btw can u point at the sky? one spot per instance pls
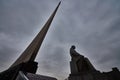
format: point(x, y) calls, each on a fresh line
point(93, 26)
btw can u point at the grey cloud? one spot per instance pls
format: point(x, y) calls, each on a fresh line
point(92, 25)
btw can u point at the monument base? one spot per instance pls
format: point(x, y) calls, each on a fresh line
point(84, 76)
point(96, 75)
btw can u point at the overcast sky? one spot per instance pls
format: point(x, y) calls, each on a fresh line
point(92, 25)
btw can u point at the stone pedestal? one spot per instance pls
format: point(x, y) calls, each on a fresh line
point(84, 76)
point(81, 77)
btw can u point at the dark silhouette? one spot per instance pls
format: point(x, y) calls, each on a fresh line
point(82, 69)
point(26, 64)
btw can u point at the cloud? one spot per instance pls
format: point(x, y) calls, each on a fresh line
point(92, 25)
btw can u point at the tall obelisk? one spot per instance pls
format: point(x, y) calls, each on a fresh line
point(31, 51)
point(25, 63)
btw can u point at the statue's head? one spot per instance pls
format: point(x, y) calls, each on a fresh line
point(73, 47)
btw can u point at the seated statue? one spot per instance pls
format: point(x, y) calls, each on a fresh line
point(79, 62)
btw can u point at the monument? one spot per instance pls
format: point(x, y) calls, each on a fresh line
point(24, 68)
point(82, 69)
